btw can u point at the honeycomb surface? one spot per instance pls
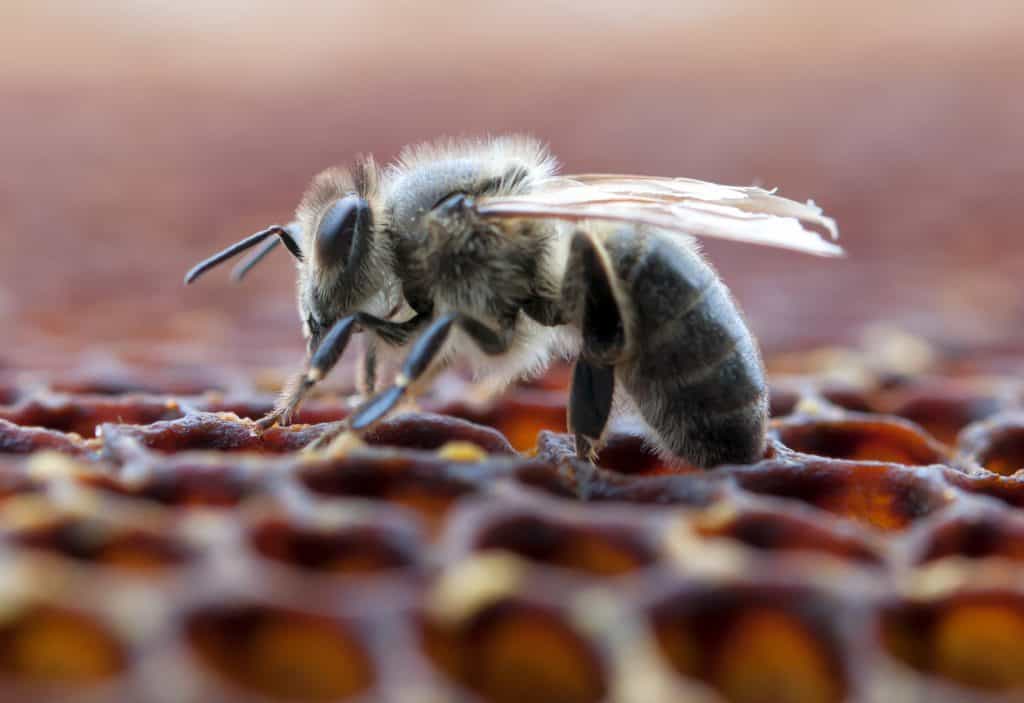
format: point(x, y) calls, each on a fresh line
point(154, 547)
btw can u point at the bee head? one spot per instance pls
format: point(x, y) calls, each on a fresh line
point(345, 267)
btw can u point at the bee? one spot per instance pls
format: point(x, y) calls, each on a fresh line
point(478, 250)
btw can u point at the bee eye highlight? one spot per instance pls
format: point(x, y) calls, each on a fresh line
point(338, 228)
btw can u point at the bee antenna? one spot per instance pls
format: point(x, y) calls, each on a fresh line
point(239, 272)
point(286, 235)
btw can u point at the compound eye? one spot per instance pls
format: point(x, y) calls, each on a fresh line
point(338, 228)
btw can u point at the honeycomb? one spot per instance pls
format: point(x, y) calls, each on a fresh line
point(156, 548)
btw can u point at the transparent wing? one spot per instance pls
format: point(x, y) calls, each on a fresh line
point(681, 205)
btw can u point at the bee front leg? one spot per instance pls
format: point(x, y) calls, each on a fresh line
point(590, 295)
point(320, 364)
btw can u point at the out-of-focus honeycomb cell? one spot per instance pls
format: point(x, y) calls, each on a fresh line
point(281, 654)
point(48, 645)
point(346, 550)
point(512, 652)
point(597, 550)
point(972, 639)
point(754, 647)
point(181, 485)
point(92, 540)
point(418, 483)
point(976, 537)
point(775, 531)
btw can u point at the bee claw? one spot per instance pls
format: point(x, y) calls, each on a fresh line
point(276, 417)
point(333, 435)
point(587, 449)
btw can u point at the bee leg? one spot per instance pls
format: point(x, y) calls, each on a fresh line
point(323, 360)
point(239, 271)
point(368, 368)
point(423, 353)
point(394, 333)
point(590, 404)
point(590, 295)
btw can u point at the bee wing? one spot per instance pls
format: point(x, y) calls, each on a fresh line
point(681, 205)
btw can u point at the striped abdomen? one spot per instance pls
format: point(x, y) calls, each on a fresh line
point(693, 369)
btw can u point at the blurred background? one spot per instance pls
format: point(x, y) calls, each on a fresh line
point(138, 137)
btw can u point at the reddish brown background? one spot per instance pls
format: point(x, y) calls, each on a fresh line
point(138, 137)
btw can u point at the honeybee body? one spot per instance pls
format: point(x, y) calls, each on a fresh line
point(476, 250)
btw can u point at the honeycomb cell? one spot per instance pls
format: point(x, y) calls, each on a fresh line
point(945, 410)
point(91, 540)
point(420, 484)
point(430, 432)
point(207, 431)
point(280, 653)
point(182, 485)
point(520, 418)
point(596, 550)
point(754, 646)
point(777, 532)
point(347, 550)
point(511, 652)
point(886, 497)
point(861, 438)
point(976, 537)
point(54, 646)
point(973, 639)
point(1009, 489)
point(997, 445)
point(15, 439)
point(84, 414)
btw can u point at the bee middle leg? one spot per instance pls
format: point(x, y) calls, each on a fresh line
point(589, 293)
point(422, 355)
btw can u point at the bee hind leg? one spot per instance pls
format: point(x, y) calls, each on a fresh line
point(590, 404)
point(590, 295)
